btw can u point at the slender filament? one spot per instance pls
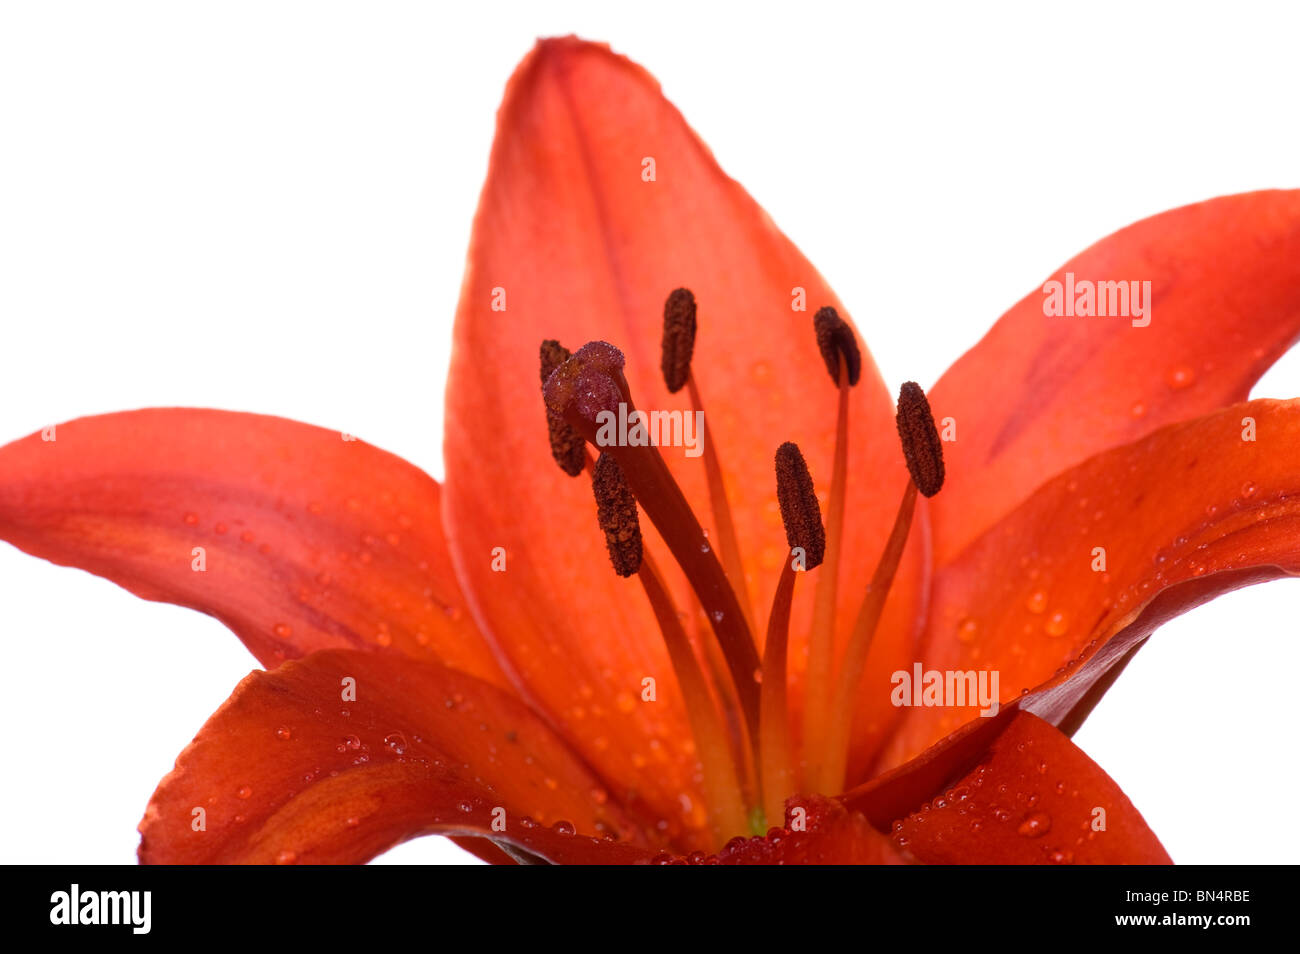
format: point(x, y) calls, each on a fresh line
point(834, 761)
point(727, 815)
point(821, 644)
point(774, 730)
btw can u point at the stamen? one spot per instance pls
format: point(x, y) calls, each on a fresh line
point(616, 513)
point(592, 382)
point(835, 341)
point(678, 339)
point(924, 455)
point(800, 512)
point(567, 446)
point(727, 815)
point(803, 531)
point(922, 448)
point(680, 325)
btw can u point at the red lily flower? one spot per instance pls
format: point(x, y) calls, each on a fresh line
point(461, 660)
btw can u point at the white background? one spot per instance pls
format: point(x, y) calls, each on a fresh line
point(265, 207)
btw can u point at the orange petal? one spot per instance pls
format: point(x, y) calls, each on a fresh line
point(571, 242)
point(1039, 394)
point(287, 770)
point(819, 831)
point(294, 537)
point(1178, 517)
point(1035, 798)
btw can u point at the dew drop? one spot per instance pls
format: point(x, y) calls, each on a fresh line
point(718, 616)
point(243, 792)
point(1248, 490)
point(1180, 377)
point(282, 630)
point(1057, 624)
point(191, 518)
point(563, 828)
point(1037, 602)
point(1138, 410)
point(283, 733)
point(1035, 825)
point(396, 742)
point(967, 630)
point(466, 807)
point(286, 857)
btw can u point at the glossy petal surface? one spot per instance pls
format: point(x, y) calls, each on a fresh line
point(1040, 394)
point(289, 771)
point(1035, 799)
point(293, 537)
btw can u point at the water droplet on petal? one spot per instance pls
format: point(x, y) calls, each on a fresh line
point(286, 857)
point(563, 828)
point(1057, 624)
point(283, 733)
point(1248, 490)
point(1035, 825)
point(967, 630)
point(1180, 377)
point(1037, 602)
point(243, 792)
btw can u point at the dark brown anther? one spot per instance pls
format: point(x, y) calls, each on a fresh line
point(922, 448)
point(800, 512)
point(679, 338)
point(616, 512)
point(835, 340)
point(566, 443)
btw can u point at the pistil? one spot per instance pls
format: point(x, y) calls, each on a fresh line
point(592, 383)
